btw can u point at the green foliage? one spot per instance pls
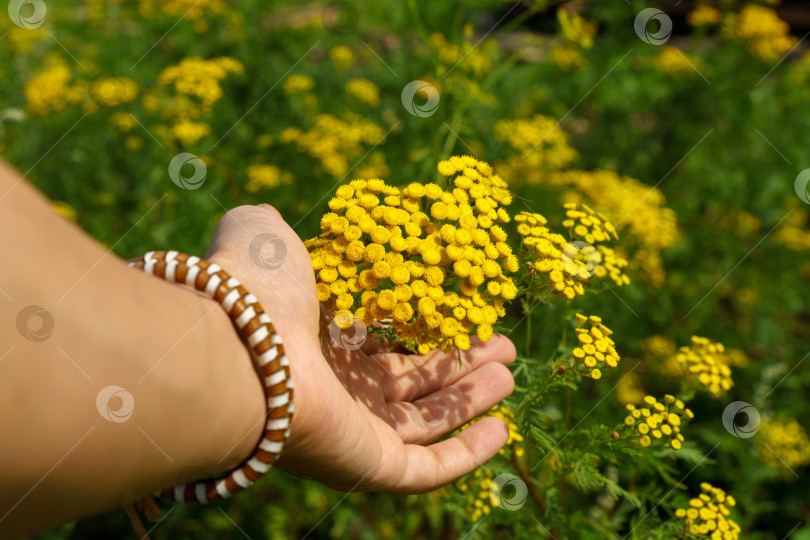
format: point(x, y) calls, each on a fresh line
point(723, 141)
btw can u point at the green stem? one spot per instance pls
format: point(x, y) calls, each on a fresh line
point(417, 20)
point(525, 475)
point(528, 330)
point(455, 123)
point(564, 484)
point(498, 73)
point(567, 408)
point(458, 20)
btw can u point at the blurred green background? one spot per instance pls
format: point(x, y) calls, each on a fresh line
point(690, 140)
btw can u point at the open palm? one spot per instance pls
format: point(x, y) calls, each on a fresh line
point(363, 415)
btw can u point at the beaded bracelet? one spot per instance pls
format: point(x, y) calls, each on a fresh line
point(257, 332)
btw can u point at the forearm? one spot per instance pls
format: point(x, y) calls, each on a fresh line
point(197, 401)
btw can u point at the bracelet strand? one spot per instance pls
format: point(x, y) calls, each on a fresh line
point(266, 349)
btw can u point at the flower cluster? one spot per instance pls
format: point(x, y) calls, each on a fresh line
point(765, 35)
point(364, 91)
point(195, 85)
point(567, 57)
point(114, 91)
point(544, 152)
point(703, 16)
point(575, 33)
point(649, 224)
point(22, 40)
point(542, 145)
point(125, 122)
point(479, 493)
point(783, 443)
point(656, 420)
point(565, 264)
point(505, 414)
point(549, 248)
point(611, 265)
point(200, 78)
point(333, 141)
point(676, 62)
point(586, 225)
point(342, 57)
point(430, 262)
point(707, 361)
point(300, 88)
point(470, 57)
point(52, 90)
point(297, 84)
point(794, 231)
point(262, 176)
point(596, 351)
point(737, 358)
point(707, 515)
point(188, 132)
point(576, 29)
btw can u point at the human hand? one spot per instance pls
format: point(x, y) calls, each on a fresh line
point(363, 418)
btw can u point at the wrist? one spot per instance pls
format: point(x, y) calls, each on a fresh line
point(237, 405)
point(192, 359)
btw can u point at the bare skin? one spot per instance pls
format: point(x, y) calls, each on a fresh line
point(364, 419)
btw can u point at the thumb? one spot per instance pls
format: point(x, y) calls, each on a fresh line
point(256, 246)
point(243, 223)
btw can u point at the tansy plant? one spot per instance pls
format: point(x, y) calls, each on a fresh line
point(433, 265)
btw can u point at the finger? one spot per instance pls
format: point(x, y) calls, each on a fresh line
point(430, 467)
point(427, 419)
point(408, 377)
